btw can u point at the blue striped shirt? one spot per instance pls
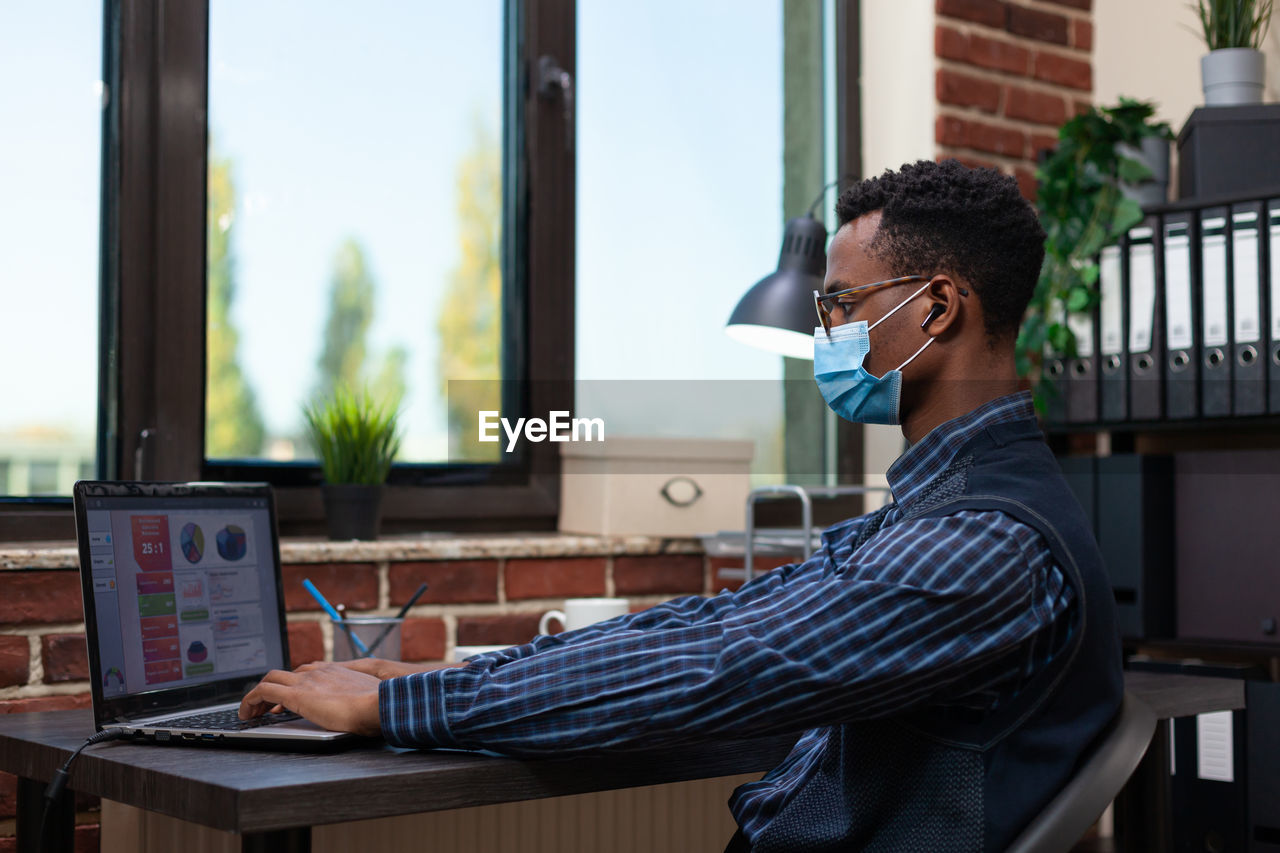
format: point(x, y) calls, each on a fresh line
point(953, 610)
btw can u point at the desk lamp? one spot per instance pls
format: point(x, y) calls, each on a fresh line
point(776, 314)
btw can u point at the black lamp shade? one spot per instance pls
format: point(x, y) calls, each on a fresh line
point(777, 312)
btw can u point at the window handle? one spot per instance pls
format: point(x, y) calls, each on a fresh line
point(552, 81)
point(142, 454)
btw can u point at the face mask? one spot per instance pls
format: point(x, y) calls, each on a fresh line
point(850, 391)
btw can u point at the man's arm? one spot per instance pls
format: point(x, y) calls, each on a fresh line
point(692, 610)
point(926, 603)
point(686, 611)
point(333, 699)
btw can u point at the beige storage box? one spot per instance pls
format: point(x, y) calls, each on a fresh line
point(654, 486)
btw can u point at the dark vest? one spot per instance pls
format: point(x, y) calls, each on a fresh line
point(946, 779)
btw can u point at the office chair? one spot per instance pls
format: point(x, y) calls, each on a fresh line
point(1086, 795)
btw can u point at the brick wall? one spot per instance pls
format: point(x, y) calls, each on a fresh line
point(1009, 73)
point(44, 663)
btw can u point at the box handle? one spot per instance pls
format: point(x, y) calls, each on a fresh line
point(680, 491)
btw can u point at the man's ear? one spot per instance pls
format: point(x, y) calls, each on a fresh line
point(945, 297)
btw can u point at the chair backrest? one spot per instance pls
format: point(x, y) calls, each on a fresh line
point(1086, 795)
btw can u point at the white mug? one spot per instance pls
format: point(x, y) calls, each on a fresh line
point(581, 612)
point(461, 653)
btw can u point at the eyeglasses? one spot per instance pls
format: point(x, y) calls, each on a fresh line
point(824, 304)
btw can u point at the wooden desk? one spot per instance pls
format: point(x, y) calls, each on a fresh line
point(272, 798)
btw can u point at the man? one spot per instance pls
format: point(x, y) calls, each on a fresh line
point(948, 658)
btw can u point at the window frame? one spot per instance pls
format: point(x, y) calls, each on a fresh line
point(537, 308)
point(152, 272)
point(153, 287)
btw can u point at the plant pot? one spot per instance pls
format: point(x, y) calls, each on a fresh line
point(1232, 76)
point(1154, 154)
point(352, 511)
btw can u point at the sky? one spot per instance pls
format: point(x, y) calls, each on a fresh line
point(50, 97)
point(347, 120)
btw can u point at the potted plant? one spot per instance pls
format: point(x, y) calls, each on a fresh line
point(356, 440)
point(1233, 71)
point(1082, 208)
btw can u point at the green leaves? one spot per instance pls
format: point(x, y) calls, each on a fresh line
point(355, 438)
point(1078, 299)
point(1082, 210)
point(1234, 23)
point(1128, 213)
point(1061, 340)
point(1132, 171)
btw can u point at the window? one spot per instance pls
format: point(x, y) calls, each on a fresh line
point(49, 168)
point(292, 209)
point(355, 213)
point(236, 142)
point(663, 261)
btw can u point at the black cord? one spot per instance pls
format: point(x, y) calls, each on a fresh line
point(822, 193)
point(58, 783)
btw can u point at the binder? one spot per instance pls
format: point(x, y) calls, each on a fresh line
point(1248, 373)
point(1055, 369)
point(1182, 360)
point(1055, 372)
point(1112, 308)
point(1082, 369)
point(1135, 513)
point(1215, 314)
point(1273, 306)
point(1146, 332)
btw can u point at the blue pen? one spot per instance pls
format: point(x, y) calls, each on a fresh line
point(336, 616)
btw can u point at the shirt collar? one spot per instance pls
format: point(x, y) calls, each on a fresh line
point(925, 459)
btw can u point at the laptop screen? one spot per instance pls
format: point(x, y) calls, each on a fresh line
point(185, 587)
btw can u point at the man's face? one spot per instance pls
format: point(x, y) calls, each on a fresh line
point(849, 264)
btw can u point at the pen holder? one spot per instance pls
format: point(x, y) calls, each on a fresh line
point(380, 635)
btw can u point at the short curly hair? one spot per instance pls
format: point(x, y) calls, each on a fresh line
point(947, 218)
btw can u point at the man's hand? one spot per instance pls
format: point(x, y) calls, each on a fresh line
point(382, 669)
point(330, 695)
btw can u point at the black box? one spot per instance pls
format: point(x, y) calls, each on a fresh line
point(1263, 704)
point(1229, 150)
point(1134, 506)
point(1227, 537)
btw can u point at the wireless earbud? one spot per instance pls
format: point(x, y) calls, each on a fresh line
point(934, 313)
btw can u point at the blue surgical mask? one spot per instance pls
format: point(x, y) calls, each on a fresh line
point(850, 391)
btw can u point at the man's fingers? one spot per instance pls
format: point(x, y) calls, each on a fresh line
point(369, 666)
point(265, 695)
point(281, 676)
point(329, 695)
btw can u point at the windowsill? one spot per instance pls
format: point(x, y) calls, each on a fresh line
point(401, 548)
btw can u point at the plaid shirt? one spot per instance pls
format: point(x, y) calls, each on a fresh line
point(954, 610)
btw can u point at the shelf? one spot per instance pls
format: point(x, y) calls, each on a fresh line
point(1185, 648)
point(1234, 424)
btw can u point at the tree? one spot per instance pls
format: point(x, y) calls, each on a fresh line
point(233, 422)
point(469, 323)
point(389, 384)
point(345, 348)
point(350, 312)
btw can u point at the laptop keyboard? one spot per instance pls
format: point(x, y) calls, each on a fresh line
point(227, 721)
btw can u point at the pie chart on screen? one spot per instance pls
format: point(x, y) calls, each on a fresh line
point(191, 540)
point(231, 542)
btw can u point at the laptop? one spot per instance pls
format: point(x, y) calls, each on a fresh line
point(184, 611)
